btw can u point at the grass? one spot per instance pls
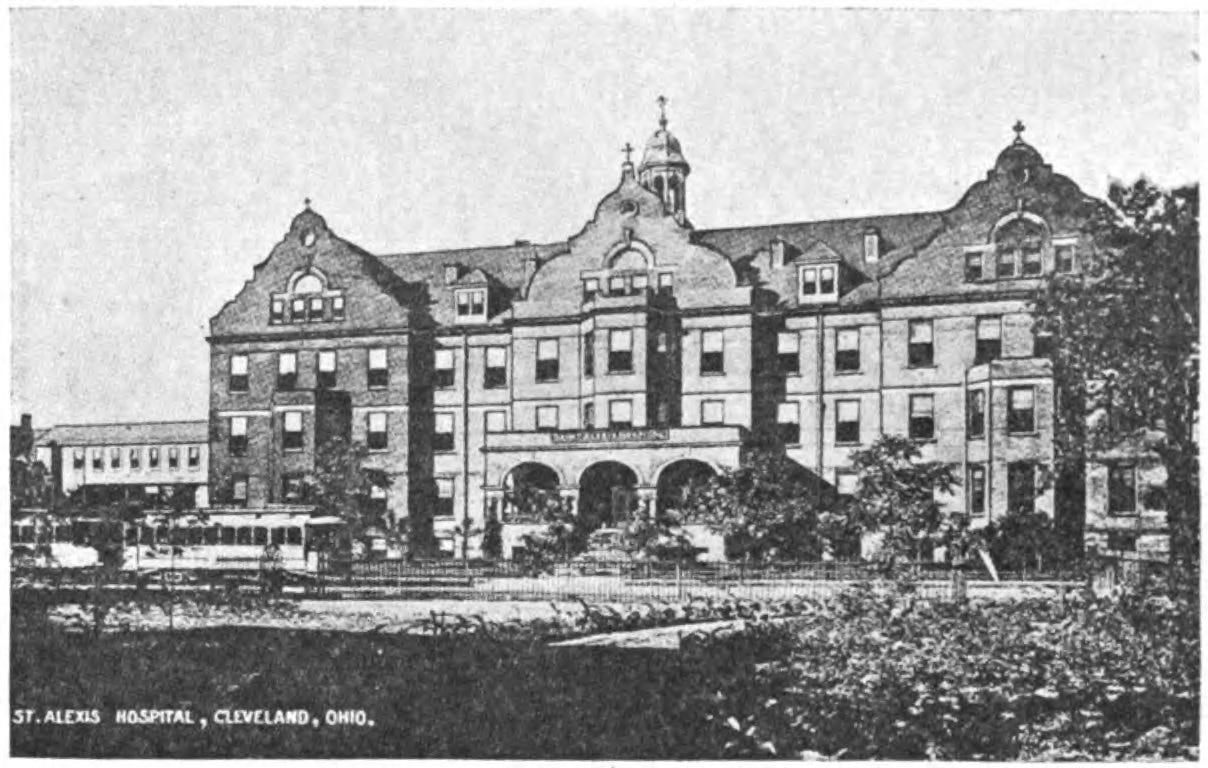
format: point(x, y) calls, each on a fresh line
point(456, 696)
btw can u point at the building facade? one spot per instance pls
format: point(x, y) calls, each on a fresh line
point(144, 461)
point(616, 366)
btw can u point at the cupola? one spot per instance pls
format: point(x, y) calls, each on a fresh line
point(664, 170)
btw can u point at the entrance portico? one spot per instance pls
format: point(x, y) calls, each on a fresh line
point(606, 475)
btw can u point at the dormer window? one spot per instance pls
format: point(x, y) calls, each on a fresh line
point(277, 311)
point(591, 287)
point(472, 305)
point(1018, 243)
point(819, 283)
point(616, 285)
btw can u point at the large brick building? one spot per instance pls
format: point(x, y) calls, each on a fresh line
point(641, 352)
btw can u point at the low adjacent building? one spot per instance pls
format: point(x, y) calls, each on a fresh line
point(145, 461)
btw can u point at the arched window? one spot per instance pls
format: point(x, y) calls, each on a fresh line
point(308, 283)
point(658, 186)
point(628, 259)
point(1019, 245)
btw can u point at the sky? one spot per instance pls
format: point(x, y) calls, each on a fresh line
point(159, 153)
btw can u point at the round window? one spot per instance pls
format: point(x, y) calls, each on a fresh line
point(308, 238)
point(629, 208)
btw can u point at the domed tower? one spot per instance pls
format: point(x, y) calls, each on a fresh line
point(664, 170)
point(1020, 162)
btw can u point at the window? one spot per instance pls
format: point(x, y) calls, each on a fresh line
point(471, 305)
point(291, 431)
point(547, 360)
point(325, 369)
point(809, 282)
point(337, 308)
point(77, 458)
point(173, 457)
point(314, 309)
point(788, 354)
point(297, 310)
point(846, 482)
point(243, 535)
point(826, 280)
point(973, 267)
point(817, 282)
point(237, 442)
point(495, 375)
point(442, 439)
point(1064, 256)
point(1121, 541)
point(1122, 489)
point(788, 423)
point(238, 497)
point(293, 487)
point(115, 458)
point(620, 351)
point(712, 352)
point(589, 354)
point(589, 416)
point(591, 287)
point(444, 497)
point(662, 342)
point(98, 460)
point(620, 414)
point(547, 418)
point(136, 458)
point(666, 282)
point(287, 370)
point(1021, 415)
point(1042, 344)
point(153, 458)
point(989, 340)
point(640, 282)
point(847, 350)
point(712, 412)
point(238, 379)
point(617, 286)
point(1006, 264)
point(1021, 486)
point(445, 375)
point(379, 368)
point(376, 437)
point(920, 351)
point(276, 312)
point(847, 422)
point(977, 490)
point(922, 417)
point(496, 421)
point(975, 411)
point(1032, 263)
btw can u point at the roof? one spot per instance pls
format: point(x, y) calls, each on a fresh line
point(128, 433)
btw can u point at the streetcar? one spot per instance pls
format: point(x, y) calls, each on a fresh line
point(204, 541)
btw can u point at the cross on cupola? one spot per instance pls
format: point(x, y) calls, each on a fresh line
point(1019, 128)
point(628, 150)
point(662, 102)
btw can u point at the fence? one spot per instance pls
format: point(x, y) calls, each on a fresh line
point(631, 580)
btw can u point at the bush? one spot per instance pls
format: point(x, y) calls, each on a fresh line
point(881, 675)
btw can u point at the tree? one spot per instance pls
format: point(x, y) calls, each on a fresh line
point(565, 535)
point(897, 497)
point(766, 508)
point(1126, 342)
point(660, 537)
point(340, 484)
point(1022, 541)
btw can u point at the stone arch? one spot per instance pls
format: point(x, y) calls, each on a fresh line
point(529, 488)
point(302, 281)
point(623, 256)
point(1018, 220)
point(675, 477)
point(607, 493)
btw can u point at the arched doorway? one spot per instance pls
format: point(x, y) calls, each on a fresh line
point(530, 493)
point(607, 495)
point(677, 480)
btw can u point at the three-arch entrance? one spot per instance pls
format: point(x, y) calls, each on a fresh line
point(677, 480)
point(530, 491)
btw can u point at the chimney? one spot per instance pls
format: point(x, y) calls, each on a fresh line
point(451, 274)
point(872, 245)
point(530, 268)
point(777, 253)
point(27, 421)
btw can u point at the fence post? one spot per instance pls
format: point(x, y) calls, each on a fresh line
point(679, 582)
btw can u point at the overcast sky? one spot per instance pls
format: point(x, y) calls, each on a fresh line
point(158, 154)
